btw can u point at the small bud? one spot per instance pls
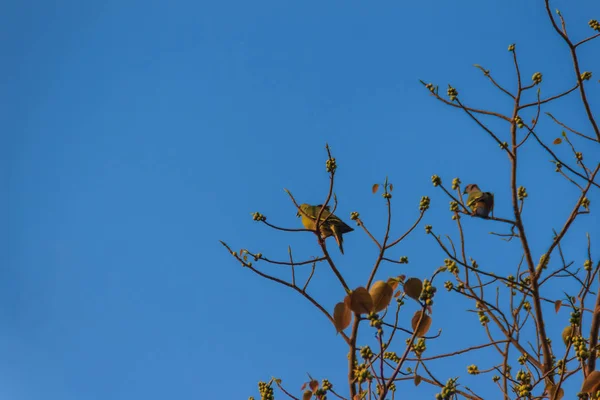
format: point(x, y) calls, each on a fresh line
point(455, 183)
point(521, 193)
point(519, 122)
point(452, 93)
point(436, 180)
point(258, 217)
point(503, 145)
point(354, 215)
point(579, 156)
point(453, 206)
point(587, 265)
point(585, 203)
point(544, 260)
point(586, 76)
point(404, 260)
point(424, 203)
point(537, 78)
point(451, 266)
point(558, 166)
point(511, 47)
point(430, 87)
point(428, 229)
point(331, 165)
point(473, 370)
point(594, 24)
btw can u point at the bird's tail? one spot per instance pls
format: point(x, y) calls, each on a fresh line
point(338, 237)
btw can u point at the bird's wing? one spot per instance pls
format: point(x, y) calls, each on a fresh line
point(474, 197)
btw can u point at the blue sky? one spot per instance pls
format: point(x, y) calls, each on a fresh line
point(137, 134)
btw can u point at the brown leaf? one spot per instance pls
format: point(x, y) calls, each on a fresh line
point(381, 294)
point(413, 288)
point(566, 335)
point(307, 395)
point(557, 305)
point(591, 383)
point(551, 389)
point(303, 386)
point(398, 293)
point(560, 395)
point(557, 141)
point(422, 327)
point(341, 316)
point(393, 282)
point(375, 188)
point(313, 385)
point(418, 380)
point(360, 301)
point(391, 187)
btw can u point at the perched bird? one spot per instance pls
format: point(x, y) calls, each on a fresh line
point(480, 203)
point(330, 224)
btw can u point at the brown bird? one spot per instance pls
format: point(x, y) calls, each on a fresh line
point(480, 203)
point(332, 226)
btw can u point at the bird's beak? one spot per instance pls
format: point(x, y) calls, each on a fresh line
point(298, 214)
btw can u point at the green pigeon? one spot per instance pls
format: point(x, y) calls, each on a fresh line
point(480, 203)
point(333, 226)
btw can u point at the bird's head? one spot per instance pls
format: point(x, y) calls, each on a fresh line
point(304, 208)
point(471, 187)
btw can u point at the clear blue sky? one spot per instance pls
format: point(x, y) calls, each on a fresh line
point(136, 134)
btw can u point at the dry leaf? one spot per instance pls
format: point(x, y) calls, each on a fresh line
point(418, 380)
point(360, 301)
point(551, 390)
point(557, 141)
point(566, 335)
point(313, 385)
point(381, 294)
point(307, 395)
point(423, 326)
point(591, 383)
point(393, 282)
point(341, 316)
point(375, 188)
point(413, 288)
point(557, 305)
